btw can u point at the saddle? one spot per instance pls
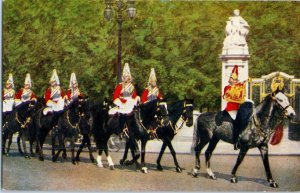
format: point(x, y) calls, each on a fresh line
point(223, 116)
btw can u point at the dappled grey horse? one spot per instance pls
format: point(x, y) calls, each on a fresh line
point(256, 125)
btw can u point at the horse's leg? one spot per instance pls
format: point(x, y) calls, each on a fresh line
point(77, 159)
point(53, 144)
point(24, 146)
point(143, 152)
point(73, 150)
point(122, 161)
point(61, 146)
point(90, 149)
point(31, 148)
point(162, 150)
point(135, 153)
point(265, 157)
point(240, 158)
point(4, 138)
point(9, 143)
point(208, 153)
point(19, 143)
point(110, 162)
point(169, 144)
point(99, 156)
point(198, 149)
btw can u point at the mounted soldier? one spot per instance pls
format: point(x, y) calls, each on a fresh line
point(234, 94)
point(25, 94)
point(73, 92)
point(124, 97)
point(54, 95)
point(8, 97)
point(152, 92)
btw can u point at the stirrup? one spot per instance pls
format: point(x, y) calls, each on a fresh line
point(236, 146)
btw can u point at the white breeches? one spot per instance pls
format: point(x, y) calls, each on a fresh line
point(124, 108)
point(57, 105)
point(8, 105)
point(233, 114)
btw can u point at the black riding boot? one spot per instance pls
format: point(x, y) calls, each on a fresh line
point(122, 121)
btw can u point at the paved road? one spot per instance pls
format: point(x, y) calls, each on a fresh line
point(21, 174)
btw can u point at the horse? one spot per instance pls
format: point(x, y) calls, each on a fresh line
point(183, 110)
point(85, 131)
point(75, 115)
point(43, 125)
point(30, 133)
point(255, 125)
point(104, 125)
point(19, 121)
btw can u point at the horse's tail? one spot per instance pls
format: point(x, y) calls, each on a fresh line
point(196, 137)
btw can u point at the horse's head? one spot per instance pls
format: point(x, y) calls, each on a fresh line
point(162, 112)
point(83, 106)
point(26, 108)
point(283, 104)
point(188, 109)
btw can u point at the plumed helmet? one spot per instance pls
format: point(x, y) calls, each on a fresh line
point(10, 80)
point(54, 77)
point(235, 73)
point(126, 71)
point(28, 80)
point(73, 80)
point(152, 76)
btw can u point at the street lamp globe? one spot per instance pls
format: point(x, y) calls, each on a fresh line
point(108, 13)
point(131, 12)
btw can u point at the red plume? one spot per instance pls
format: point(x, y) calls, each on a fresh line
point(276, 139)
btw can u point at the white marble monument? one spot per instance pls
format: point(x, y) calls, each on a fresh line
point(235, 50)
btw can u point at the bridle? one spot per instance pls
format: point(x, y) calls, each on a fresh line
point(182, 119)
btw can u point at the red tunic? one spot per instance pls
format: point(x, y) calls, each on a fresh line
point(69, 94)
point(48, 94)
point(145, 95)
point(231, 106)
point(119, 92)
point(20, 93)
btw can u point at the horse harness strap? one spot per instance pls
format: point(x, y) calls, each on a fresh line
point(69, 122)
point(26, 122)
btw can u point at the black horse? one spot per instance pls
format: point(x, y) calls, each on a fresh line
point(19, 121)
point(43, 125)
point(182, 110)
point(85, 130)
point(104, 125)
point(151, 115)
point(30, 131)
point(255, 125)
point(75, 115)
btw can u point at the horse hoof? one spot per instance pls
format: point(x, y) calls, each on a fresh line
point(159, 168)
point(54, 159)
point(144, 170)
point(92, 160)
point(128, 163)
point(77, 159)
point(234, 180)
point(64, 156)
point(32, 155)
point(121, 162)
point(73, 162)
point(213, 177)
point(274, 185)
point(41, 158)
point(195, 172)
point(100, 165)
point(178, 169)
point(27, 157)
point(111, 167)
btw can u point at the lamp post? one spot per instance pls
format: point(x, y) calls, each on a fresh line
point(121, 5)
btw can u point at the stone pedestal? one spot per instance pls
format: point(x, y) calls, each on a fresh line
point(230, 58)
point(235, 51)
